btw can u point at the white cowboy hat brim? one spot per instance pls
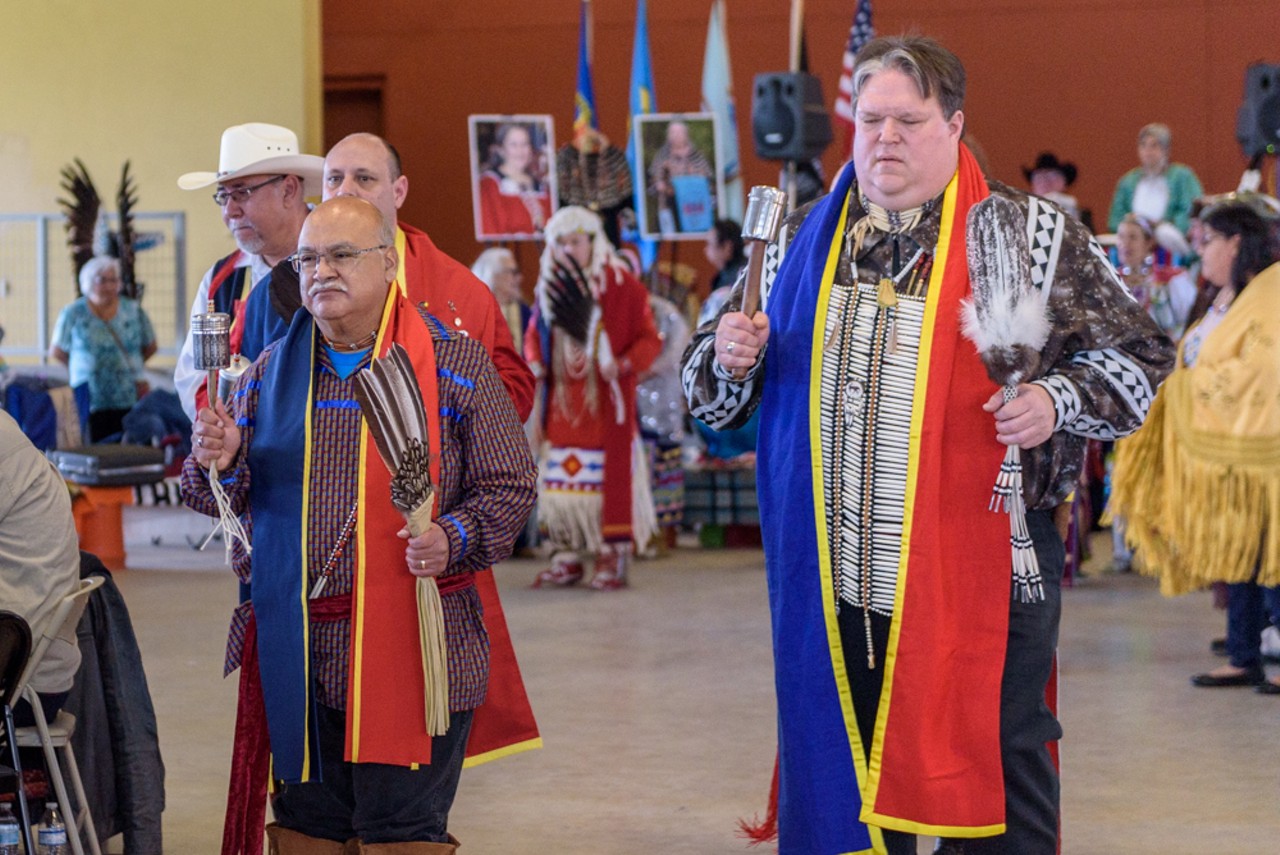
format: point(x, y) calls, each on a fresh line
point(309, 167)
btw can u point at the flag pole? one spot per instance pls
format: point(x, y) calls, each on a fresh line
point(797, 23)
point(797, 37)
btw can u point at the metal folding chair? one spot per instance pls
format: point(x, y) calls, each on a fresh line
point(15, 650)
point(56, 737)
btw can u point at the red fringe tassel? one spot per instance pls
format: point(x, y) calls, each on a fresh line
point(758, 831)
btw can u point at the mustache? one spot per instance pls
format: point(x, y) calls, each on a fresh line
point(321, 287)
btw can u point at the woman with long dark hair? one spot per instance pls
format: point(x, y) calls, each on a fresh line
point(1199, 482)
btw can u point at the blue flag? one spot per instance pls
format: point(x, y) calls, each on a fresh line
point(717, 98)
point(584, 98)
point(643, 102)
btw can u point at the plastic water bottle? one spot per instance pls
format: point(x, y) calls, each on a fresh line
point(10, 834)
point(51, 834)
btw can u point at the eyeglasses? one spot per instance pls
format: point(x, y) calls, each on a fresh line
point(340, 260)
point(1207, 237)
point(241, 194)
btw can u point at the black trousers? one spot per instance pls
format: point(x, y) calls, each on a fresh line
point(105, 423)
point(1026, 723)
point(375, 802)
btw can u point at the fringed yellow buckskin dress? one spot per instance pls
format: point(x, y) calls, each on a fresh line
point(1200, 482)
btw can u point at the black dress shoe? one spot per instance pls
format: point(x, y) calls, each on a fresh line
point(1248, 677)
point(1268, 688)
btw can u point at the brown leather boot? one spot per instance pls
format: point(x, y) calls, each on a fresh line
point(286, 841)
point(416, 848)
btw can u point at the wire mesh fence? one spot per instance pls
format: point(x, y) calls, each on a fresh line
point(37, 280)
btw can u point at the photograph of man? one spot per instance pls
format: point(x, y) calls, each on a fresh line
point(678, 158)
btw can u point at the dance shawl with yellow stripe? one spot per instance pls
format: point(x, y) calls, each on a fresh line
point(385, 707)
point(934, 765)
point(1199, 484)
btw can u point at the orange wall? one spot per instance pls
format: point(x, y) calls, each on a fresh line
point(1077, 76)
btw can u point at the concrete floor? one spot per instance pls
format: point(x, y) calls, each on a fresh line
point(657, 712)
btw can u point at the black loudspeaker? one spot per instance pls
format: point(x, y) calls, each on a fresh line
point(788, 119)
point(1258, 119)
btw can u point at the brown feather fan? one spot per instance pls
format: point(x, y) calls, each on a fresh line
point(87, 234)
point(82, 209)
point(126, 201)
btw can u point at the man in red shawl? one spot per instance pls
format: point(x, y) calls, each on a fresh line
point(332, 625)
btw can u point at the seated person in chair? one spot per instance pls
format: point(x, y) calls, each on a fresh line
point(39, 558)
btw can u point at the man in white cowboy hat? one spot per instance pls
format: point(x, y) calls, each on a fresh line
point(262, 183)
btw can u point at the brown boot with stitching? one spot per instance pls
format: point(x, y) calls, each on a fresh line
point(286, 841)
point(422, 848)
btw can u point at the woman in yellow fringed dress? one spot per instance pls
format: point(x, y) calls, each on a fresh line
point(1200, 482)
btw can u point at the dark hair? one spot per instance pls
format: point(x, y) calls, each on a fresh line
point(397, 167)
point(935, 70)
point(728, 230)
point(1257, 250)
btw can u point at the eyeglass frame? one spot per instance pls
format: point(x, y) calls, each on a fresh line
point(1208, 236)
point(349, 258)
point(240, 195)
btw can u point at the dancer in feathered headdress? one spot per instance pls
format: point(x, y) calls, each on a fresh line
point(594, 337)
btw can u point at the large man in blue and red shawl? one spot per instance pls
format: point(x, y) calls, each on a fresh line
point(911, 681)
point(333, 644)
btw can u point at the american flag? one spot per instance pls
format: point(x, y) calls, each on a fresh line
point(859, 34)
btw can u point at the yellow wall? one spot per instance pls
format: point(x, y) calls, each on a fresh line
point(154, 82)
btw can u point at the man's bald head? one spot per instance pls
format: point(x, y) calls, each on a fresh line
point(358, 219)
point(347, 260)
point(368, 167)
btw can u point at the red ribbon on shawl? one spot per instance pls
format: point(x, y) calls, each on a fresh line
point(250, 758)
point(385, 706)
point(935, 764)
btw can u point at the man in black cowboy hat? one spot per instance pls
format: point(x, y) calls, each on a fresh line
point(1049, 178)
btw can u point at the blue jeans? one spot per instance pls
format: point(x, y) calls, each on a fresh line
point(1250, 608)
point(375, 802)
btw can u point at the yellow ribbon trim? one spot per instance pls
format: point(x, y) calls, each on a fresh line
point(505, 751)
point(825, 571)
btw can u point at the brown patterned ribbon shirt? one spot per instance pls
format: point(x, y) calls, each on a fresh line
point(486, 492)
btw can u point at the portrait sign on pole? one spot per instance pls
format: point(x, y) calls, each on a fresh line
point(683, 186)
point(513, 176)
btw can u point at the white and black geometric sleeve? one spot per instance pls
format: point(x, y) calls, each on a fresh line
point(1127, 383)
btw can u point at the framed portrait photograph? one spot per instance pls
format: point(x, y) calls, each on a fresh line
point(513, 176)
point(683, 186)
